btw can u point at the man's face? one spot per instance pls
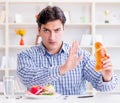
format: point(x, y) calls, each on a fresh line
point(51, 34)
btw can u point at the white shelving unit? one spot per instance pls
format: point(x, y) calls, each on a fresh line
point(85, 18)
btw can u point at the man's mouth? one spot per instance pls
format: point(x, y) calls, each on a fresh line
point(52, 42)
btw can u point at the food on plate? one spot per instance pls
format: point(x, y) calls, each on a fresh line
point(36, 89)
point(100, 54)
point(43, 90)
point(49, 89)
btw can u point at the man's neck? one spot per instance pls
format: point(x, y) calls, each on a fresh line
point(54, 51)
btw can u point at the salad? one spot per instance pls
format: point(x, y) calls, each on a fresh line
point(42, 90)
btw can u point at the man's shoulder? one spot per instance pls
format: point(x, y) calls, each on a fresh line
point(30, 51)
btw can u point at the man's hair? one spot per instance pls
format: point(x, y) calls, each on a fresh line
point(50, 14)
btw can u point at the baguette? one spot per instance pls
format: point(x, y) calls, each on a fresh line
point(100, 54)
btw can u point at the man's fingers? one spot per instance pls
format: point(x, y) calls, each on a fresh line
point(107, 65)
point(79, 59)
point(74, 48)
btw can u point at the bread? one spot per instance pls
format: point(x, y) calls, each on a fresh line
point(100, 54)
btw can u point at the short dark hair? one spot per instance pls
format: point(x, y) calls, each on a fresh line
point(50, 14)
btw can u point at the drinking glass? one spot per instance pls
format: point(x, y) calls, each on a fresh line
point(8, 82)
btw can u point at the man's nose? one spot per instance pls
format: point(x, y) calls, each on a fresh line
point(52, 36)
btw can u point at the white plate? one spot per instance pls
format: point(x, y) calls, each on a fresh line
point(32, 96)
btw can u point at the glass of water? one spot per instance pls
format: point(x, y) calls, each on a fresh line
point(8, 82)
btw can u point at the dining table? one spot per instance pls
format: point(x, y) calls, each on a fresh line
point(96, 98)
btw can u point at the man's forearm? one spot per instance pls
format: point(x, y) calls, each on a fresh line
point(37, 76)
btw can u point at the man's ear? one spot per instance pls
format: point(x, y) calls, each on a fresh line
point(39, 29)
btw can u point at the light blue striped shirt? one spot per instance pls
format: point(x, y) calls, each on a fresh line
point(35, 66)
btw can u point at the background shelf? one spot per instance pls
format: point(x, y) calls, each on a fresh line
point(84, 19)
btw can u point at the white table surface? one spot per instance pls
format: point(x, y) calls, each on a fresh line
point(98, 98)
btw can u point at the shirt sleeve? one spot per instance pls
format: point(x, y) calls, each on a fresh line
point(96, 77)
point(30, 74)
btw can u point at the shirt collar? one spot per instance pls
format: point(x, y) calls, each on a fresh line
point(62, 50)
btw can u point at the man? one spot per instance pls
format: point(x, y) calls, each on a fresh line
point(54, 62)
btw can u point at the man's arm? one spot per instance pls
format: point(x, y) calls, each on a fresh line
point(73, 59)
point(99, 81)
point(31, 75)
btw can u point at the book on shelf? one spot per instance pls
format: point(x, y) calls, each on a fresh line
point(86, 40)
point(2, 16)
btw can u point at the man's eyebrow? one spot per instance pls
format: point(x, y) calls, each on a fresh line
point(45, 28)
point(57, 28)
point(49, 29)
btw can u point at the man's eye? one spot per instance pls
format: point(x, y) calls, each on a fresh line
point(46, 30)
point(57, 30)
